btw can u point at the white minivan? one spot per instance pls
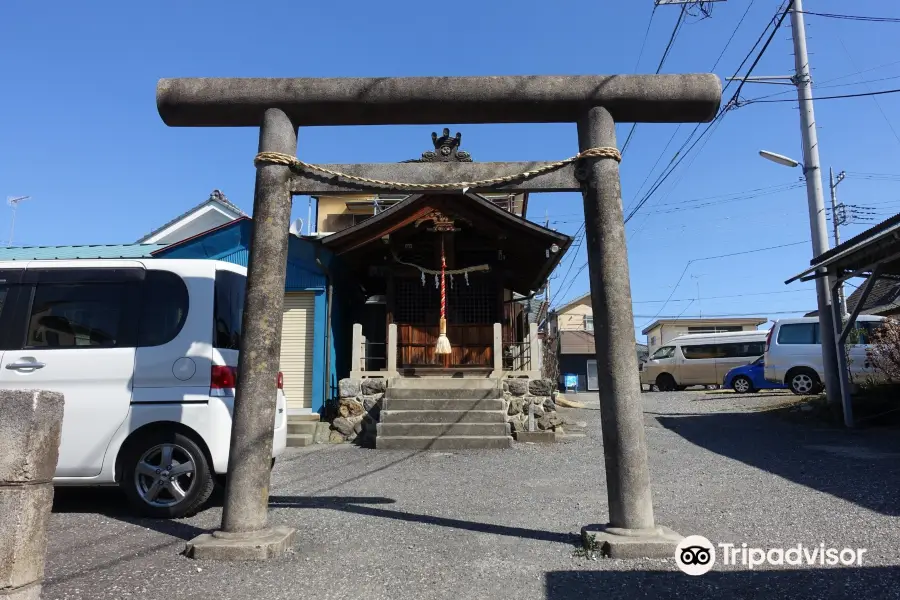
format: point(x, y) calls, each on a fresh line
point(794, 353)
point(145, 353)
point(700, 359)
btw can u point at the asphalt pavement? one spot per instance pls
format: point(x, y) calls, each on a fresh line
point(504, 523)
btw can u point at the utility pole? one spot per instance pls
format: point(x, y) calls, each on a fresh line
point(816, 202)
point(838, 218)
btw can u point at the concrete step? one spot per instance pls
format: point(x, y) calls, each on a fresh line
point(442, 404)
point(442, 383)
point(303, 417)
point(302, 427)
point(457, 442)
point(438, 393)
point(442, 429)
point(296, 440)
point(442, 416)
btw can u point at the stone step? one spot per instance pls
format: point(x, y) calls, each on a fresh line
point(303, 417)
point(438, 393)
point(442, 416)
point(442, 429)
point(296, 440)
point(442, 404)
point(443, 383)
point(456, 442)
point(302, 427)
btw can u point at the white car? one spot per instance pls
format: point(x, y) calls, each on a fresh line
point(145, 353)
point(794, 353)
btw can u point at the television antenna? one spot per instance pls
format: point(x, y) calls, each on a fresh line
point(14, 202)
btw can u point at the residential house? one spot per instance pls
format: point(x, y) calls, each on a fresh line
point(573, 326)
point(214, 211)
point(661, 331)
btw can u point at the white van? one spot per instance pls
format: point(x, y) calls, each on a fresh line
point(794, 353)
point(701, 359)
point(145, 352)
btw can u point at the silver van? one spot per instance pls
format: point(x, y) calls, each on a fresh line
point(794, 353)
point(701, 359)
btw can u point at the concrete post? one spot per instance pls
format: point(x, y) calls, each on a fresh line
point(356, 352)
point(30, 425)
point(244, 518)
point(498, 350)
point(392, 350)
point(535, 350)
point(631, 531)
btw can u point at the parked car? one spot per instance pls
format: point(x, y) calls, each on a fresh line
point(794, 353)
point(145, 353)
point(700, 359)
point(750, 378)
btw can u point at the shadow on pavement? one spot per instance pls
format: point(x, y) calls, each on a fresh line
point(110, 502)
point(860, 467)
point(857, 582)
point(355, 505)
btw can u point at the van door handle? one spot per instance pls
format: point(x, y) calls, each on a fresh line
point(25, 365)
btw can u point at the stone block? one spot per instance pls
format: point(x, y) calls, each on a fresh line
point(348, 388)
point(323, 433)
point(536, 437)
point(28, 592)
point(549, 405)
point(517, 387)
point(540, 387)
point(255, 545)
point(372, 404)
point(549, 421)
point(350, 407)
point(30, 424)
point(343, 426)
point(24, 516)
point(373, 386)
point(515, 406)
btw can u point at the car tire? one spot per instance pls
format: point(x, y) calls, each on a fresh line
point(742, 385)
point(166, 475)
point(665, 383)
point(803, 382)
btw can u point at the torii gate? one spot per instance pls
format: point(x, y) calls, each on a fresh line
point(280, 106)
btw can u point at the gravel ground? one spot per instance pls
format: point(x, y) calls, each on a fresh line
point(504, 524)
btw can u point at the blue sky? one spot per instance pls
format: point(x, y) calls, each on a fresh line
point(81, 135)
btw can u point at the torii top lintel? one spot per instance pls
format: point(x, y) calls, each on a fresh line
point(241, 102)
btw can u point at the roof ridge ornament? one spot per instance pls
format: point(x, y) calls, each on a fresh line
point(446, 149)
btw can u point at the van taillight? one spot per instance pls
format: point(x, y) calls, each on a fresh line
point(223, 377)
point(769, 338)
point(279, 383)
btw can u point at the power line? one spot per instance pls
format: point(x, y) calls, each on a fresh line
point(681, 153)
point(662, 61)
point(744, 314)
point(690, 262)
point(876, 93)
point(867, 19)
point(725, 297)
point(874, 99)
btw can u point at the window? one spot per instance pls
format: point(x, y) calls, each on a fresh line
point(664, 352)
point(742, 349)
point(799, 333)
point(164, 308)
point(701, 351)
point(588, 322)
point(228, 309)
point(75, 315)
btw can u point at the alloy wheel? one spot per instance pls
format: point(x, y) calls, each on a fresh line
point(164, 475)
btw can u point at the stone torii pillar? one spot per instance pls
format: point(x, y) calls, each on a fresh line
point(594, 103)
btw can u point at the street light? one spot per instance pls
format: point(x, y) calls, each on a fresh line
point(779, 158)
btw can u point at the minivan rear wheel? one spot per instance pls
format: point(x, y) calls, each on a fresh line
point(665, 383)
point(165, 475)
point(804, 382)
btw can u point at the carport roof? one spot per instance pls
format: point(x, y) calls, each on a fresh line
point(878, 245)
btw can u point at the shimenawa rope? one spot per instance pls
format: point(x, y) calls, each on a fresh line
point(278, 158)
